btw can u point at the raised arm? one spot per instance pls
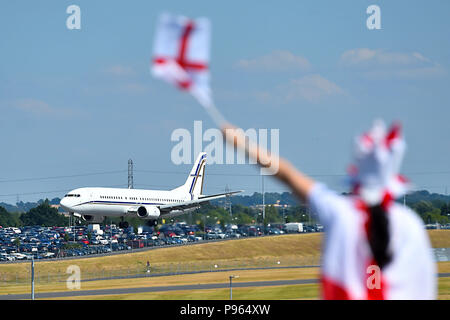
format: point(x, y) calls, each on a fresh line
point(300, 184)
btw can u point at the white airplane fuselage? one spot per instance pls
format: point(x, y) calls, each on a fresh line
point(96, 203)
point(117, 202)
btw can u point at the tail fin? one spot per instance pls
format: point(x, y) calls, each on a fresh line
point(194, 182)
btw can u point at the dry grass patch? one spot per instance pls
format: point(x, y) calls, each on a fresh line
point(296, 249)
point(439, 238)
point(245, 251)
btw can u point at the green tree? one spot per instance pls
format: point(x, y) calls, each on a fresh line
point(244, 218)
point(9, 219)
point(432, 216)
point(422, 207)
point(43, 215)
point(272, 215)
point(445, 209)
point(17, 243)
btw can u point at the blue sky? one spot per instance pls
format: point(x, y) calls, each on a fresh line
point(76, 102)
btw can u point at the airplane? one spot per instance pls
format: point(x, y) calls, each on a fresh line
point(94, 204)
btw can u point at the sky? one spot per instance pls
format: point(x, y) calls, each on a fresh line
point(77, 104)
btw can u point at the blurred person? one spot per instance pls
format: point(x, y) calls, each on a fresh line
point(374, 248)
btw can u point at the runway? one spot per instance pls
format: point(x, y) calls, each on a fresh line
point(78, 293)
point(87, 293)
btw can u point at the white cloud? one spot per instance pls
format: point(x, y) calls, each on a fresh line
point(312, 88)
point(407, 73)
point(277, 61)
point(34, 106)
point(357, 56)
point(120, 71)
point(134, 88)
point(41, 108)
point(381, 57)
point(383, 64)
point(309, 87)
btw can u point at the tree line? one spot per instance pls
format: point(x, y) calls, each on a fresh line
point(432, 208)
point(42, 215)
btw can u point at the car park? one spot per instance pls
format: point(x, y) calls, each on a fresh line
point(21, 244)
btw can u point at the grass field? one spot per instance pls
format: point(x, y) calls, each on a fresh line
point(290, 292)
point(199, 278)
point(304, 291)
point(300, 249)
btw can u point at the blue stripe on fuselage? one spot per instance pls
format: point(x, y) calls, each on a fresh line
point(119, 203)
point(196, 172)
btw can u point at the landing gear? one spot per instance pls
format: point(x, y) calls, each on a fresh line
point(152, 223)
point(123, 224)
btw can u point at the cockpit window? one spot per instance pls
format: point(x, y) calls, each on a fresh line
point(72, 195)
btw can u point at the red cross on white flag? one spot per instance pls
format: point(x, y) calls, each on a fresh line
point(181, 57)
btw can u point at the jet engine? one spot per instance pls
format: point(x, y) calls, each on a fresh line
point(148, 212)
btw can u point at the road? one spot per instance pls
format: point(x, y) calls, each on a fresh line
point(78, 293)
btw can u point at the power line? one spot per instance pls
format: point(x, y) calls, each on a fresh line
point(62, 177)
point(184, 173)
point(231, 174)
point(252, 189)
point(258, 175)
point(53, 191)
point(34, 192)
point(249, 188)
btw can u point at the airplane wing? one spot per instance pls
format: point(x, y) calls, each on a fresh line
point(218, 195)
point(195, 203)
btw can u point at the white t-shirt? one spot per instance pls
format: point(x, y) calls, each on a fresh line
point(348, 269)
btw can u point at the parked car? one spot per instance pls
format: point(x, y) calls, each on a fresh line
point(215, 235)
point(309, 229)
point(273, 231)
point(232, 234)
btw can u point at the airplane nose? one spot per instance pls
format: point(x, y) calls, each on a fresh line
point(63, 203)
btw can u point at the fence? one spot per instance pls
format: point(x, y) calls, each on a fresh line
point(158, 269)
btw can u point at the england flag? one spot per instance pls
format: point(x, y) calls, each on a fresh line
point(181, 55)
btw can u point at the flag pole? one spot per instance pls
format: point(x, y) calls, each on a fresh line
point(215, 115)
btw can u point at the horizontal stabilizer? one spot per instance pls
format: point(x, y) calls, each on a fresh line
point(195, 202)
point(219, 195)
